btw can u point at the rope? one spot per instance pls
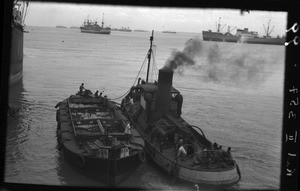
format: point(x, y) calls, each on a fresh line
point(133, 82)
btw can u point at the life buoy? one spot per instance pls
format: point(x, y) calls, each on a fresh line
point(80, 161)
point(238, 170)
point(58, 133)
point(57, 115)
point(142, 155)
point(58, 126)
point(60, 143)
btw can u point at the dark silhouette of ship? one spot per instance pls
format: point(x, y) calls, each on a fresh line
point(242, 36)
point(18, 29)
point(93, 27)
point(140, 30)
point(122, 29)
point(219, 36)
point(252, 37)
point(171, 32)
point(61, 27)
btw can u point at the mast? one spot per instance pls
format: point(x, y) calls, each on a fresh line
point(149, 55)
point(268, 31)
point(102, 21)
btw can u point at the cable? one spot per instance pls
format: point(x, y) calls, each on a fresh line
point(133, 82)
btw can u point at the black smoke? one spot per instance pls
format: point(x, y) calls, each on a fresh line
point(180, 59)
point(216, 65)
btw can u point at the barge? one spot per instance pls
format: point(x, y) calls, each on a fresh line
point(97, 139)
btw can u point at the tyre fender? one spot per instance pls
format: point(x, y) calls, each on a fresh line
point(142, 155)
point(81, 161)
point(57, 115)
point(60, 143)
point(238, 170)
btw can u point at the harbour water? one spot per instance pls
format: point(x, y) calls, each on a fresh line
point(234, 92)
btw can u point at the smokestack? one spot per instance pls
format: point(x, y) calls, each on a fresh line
point(163, 94)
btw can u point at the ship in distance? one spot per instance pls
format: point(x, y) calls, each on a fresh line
point(140, 30)
point(122, 29)
point(93, 27)
point(74, 27)
point(218, 35)
point(61, 26)
point(172, 32)
point(253, 38)
point(242, 36)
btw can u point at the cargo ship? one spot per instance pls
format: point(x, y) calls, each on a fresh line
point(17, 32)
point(74, 27)
point(171, 32)
point(251, 37)
point(179, 149)
point(61, 27)
point(122, 29)
point(140, 30)
point(97, 139)
point(219, 36)
point(93, 27)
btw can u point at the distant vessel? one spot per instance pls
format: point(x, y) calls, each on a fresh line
point(253, 38)
point(60, 26)
point(18, 28)
point(172, 32)
point(140, 30)
point(218, 36)
point(92, 27)
point(123, 29)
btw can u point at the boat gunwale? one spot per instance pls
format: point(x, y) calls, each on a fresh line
point(146, 140)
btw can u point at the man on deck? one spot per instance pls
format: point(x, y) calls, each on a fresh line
point(81, 88)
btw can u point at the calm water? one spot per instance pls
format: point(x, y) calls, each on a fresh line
point(244, 113)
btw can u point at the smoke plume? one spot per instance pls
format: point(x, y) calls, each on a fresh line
point(180, 59)
point(217, 65)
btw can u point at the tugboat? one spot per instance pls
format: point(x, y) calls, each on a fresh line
point(180, 149)
point(93, 27)
point(97, 138)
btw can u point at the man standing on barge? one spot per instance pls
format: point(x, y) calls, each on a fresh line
point(81, 88)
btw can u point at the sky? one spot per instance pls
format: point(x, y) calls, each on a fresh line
point(158, 19)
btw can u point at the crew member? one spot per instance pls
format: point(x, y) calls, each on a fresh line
point(96, 94)
point(229, 152)
point(181, 150)
point(81, 88)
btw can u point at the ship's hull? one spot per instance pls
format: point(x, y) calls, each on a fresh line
point(102, 31)
point(271, 41)
point(16, 57)
point(175, 171)
point(215, 36)
point(108, 171)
